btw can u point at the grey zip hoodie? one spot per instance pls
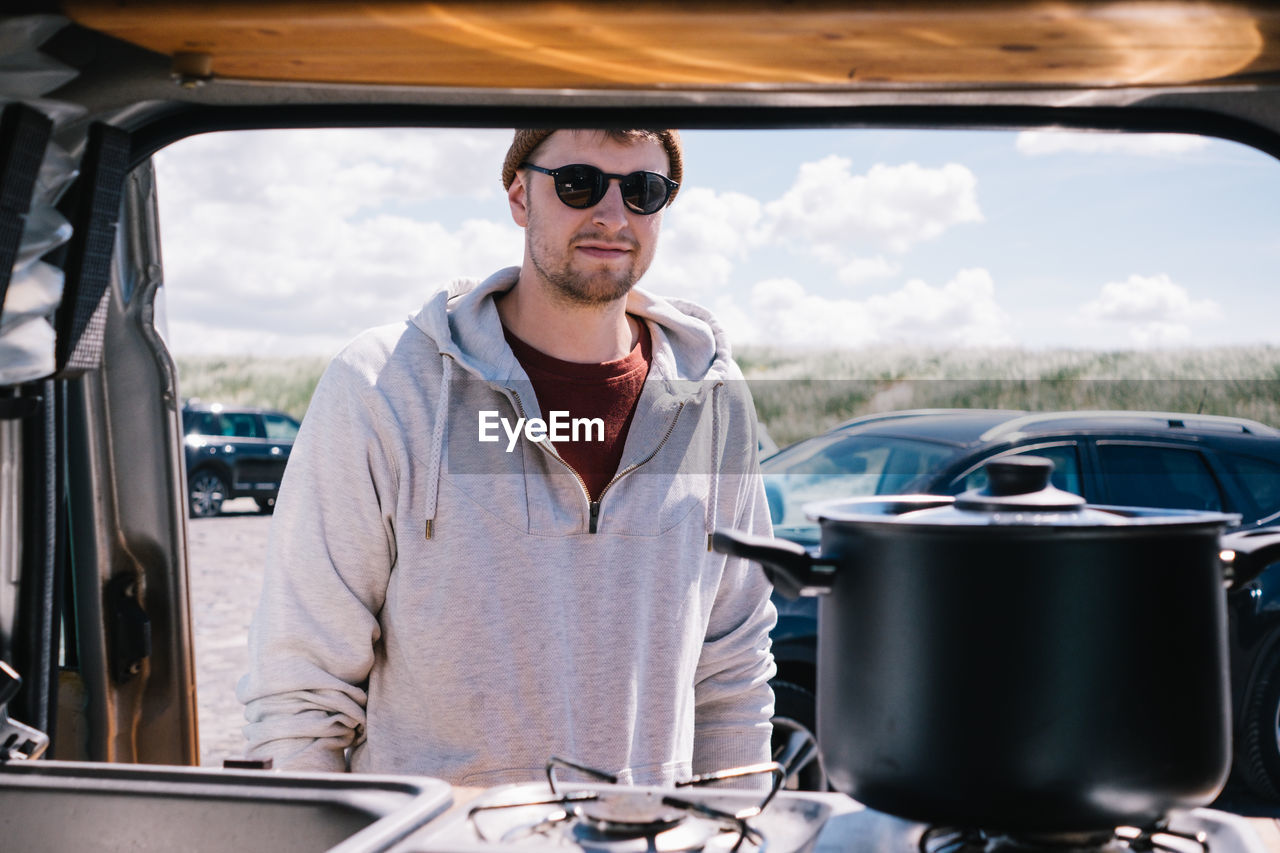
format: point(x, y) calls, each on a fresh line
point(440, 605)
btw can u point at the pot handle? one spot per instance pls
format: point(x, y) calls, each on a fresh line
point(1254, 551)
point(791, 569)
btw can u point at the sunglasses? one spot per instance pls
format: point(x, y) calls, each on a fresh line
point(582, 186)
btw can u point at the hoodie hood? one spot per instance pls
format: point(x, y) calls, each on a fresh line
point(689, 347)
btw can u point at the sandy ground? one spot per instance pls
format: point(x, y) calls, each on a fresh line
point(226, 556)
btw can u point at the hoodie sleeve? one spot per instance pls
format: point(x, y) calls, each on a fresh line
point(330, 553)
point(734, 701)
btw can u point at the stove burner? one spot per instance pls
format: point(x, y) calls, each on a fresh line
point(678, 837)
point(627, 820)
point(1125, 839)
point(627, 813)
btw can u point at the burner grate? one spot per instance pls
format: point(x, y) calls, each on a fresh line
point(1124, 839)
point(621, 819)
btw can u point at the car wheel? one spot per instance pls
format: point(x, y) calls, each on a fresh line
point(266, 506)
point(1258, 749)
point(207, 492)
point(795, 744)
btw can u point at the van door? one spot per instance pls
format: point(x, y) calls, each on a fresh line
point(93, 589)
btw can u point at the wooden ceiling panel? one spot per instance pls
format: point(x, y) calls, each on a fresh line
point(721, 45)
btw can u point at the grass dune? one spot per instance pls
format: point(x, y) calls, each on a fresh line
point(801, 393)
point(285, 384)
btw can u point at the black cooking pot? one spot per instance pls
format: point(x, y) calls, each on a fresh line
point(1015, 660)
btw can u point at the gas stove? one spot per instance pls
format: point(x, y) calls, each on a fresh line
point(605, 817)
point(600, 816)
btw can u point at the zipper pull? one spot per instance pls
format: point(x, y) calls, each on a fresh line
point(595, 516)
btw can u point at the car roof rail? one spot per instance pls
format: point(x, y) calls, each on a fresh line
point(1170, 420)
point(877, 417)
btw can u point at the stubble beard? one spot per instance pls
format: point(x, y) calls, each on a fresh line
point(593, 287)
point(585, 287)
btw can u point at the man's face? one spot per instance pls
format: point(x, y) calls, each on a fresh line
point(590, 256)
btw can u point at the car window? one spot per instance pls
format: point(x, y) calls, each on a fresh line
point(1066, 469)
point(241, 425)
point(202, 423)
point(846, 466)
point(1154, 476)
point(280, 428)
point(1261, 479)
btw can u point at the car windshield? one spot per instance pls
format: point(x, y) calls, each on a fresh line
point(201, 423)
point(280, 428)
point(841, 466)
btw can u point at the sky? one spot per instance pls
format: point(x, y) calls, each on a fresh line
point(291, 242)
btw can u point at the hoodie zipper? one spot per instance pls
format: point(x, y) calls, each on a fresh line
point(593, 507)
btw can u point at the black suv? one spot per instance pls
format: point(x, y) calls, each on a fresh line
point(1173, 461)
point(234, 453)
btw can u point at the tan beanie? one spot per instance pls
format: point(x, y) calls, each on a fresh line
point(526, 140)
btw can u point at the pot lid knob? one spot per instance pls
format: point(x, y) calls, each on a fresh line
point(1019, 483)
point(1017, 475)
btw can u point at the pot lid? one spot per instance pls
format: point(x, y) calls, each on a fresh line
point(1019, 483)
point(1018, 493)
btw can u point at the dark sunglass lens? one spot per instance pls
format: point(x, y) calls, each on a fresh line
point(579, 186)
point(644, 192)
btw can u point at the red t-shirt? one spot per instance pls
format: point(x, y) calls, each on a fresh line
point(606, 391)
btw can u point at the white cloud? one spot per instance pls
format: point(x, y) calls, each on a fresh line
point(1159, 335)
point(191, 337)
point(344, 170)
point(735, 318)
point(319, 277)
point(1034, 143)
point(834, 211)
point(789, 316)
point(859, 270)
point(1155, 310)
point(828, 213)
point(290, 241)
point(962, 312)
point(310, 236)
point(1148, 298)
point(703, 234)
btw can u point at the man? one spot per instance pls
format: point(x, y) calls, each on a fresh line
point(448, 592)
